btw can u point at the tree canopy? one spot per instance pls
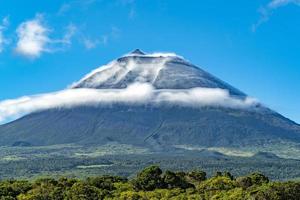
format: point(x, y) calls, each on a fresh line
point(152, 183)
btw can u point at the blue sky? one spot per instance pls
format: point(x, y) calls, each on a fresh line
point(253, 45)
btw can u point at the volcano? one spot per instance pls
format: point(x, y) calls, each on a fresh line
point(186, 108)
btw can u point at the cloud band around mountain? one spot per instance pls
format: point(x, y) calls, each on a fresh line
point(136, 94)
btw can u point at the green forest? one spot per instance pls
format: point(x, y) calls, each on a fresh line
point(152, 183)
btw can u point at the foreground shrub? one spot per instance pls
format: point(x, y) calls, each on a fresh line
point(149, 179)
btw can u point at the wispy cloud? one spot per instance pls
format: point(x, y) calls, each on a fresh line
point(136, 94)
point(267, 10)
point(3, 26)
point(115, 32)
point(64, 8)
point(71, 30)
point(33, 38)
point(279, 3)
point(90, 44)
point(93, 42)
point(131, 4)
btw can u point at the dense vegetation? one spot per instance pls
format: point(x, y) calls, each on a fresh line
point(33, 162)
point(152, 183)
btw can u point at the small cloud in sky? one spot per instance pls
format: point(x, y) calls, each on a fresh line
point(33, 38)
point(3, 26)
point(267, 10)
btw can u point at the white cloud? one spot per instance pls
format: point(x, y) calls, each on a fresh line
point(33, 38)
point(136, 94)
point(266, 11)
point(3, 27)
point(279, 3)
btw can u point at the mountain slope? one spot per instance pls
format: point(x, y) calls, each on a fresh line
point(159, 127)
point(156, 127)
point(163, 71)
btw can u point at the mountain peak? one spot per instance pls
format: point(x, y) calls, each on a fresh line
point(137, 52)
point(161, 70)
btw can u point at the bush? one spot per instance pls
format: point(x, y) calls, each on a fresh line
point(149, 179)
point(244, 182)
point(258, 178)
point(173, 180)
point(197, 175)
point(82, 191)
